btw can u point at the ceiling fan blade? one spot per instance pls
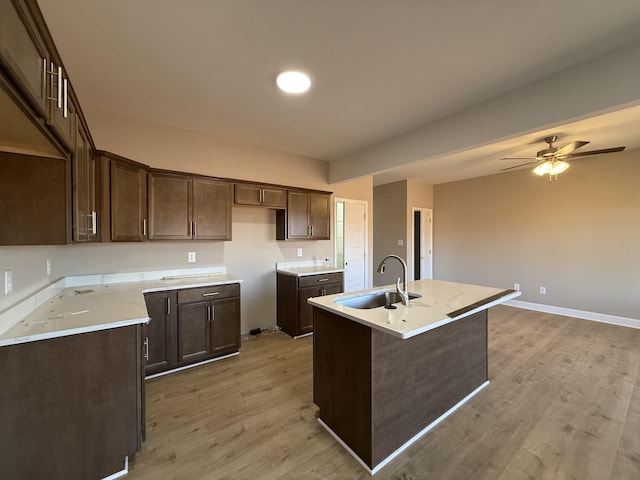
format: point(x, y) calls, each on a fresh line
point(570, 147)
point(517, 166)
point(518, 158)
point(592, 152)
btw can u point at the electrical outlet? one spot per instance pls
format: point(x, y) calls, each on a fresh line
point(191, 257)
point(516, 287)
point(543, 290)
point(400, 243)
point(299, 252)
point(48, 267)
point(8, 281)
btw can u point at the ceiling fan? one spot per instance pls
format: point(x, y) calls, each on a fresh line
point(551, 159)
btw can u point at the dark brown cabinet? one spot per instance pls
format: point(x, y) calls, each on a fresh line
point(295, 315)
point(34, 200)
point(160, 332)
point(125, 186)
point(259, 195)
point(184, 208)
point(73, 406)
point(307, 217)
point(85, 194)
point(23, 54)
point(192, 325)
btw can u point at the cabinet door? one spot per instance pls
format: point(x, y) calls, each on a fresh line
point(319, 216)
point(23, 55)
point(273, 197)
point(225, 326)
point(85, 215)
point(298, 215)
point(128, 202)
point(211, 210)
point(305, 311)
point(194, 327)
point(246, 194)
point(63, 120)
point(34, 193)
point(160, 331)
point(169, 207)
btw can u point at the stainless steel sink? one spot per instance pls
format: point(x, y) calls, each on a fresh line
point(375, 299)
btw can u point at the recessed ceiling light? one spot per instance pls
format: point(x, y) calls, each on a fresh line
point(293, 82)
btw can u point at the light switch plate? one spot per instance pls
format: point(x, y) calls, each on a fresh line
point(8, 281)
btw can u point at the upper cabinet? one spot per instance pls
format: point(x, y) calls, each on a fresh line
point(85, 193)
point(259, 195)
point(185, 207)
point(307, 216)
point(124, 199)
point(40, 80)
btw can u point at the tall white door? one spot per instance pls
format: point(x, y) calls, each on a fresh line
point(355, 245)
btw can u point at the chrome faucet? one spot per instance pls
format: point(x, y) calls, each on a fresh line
point(404, 294)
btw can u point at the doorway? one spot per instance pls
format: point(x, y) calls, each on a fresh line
point(422, 252)
point(351, 242)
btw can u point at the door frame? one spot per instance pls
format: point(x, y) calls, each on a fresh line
point(365, 203)
point(413, 235)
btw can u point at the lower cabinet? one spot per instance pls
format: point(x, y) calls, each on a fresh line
point(73, 406)
point(191, 325)
point(295, 315)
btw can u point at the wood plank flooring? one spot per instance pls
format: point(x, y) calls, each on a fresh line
point(563, 403)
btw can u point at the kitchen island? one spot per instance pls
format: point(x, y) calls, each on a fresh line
point(383, 377)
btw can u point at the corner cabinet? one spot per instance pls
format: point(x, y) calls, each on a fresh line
point(188, 208)
point(295, 315)
point(191, 325)
point(307, 216)
point(85, 193)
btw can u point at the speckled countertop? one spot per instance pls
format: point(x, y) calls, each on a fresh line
point(97, 302)
point(306, 267)
point(439, 303)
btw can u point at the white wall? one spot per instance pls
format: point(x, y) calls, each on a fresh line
point(253, 251)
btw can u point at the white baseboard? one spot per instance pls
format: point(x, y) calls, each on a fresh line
point(582, 314)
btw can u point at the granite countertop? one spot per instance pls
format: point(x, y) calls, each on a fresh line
point(440, 303)
point(97, 302)
point(301, 268)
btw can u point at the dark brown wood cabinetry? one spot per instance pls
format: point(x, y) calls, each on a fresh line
point(295, 315)
point(85, 193)
point(160, 332)
point(192, 325)
point(306, 217)
point(34, 200)
point(124, 199)
point(184, 208)
point(259, 195)
point(72, 406)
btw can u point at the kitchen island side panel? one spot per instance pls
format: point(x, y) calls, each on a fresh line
point(416, 380)
point(342, 379)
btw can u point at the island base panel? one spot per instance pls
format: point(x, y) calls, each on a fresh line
point(376, 391)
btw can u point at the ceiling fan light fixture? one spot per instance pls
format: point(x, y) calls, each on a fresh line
point(551, 167)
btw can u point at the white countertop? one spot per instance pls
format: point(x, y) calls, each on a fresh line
point(90, 303)
point(303, 268)
point(438, 299)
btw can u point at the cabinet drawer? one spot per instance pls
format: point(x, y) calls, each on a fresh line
point(208, 293)
point(312, 280)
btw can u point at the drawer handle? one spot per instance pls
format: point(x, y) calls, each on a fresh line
point(146, 348)
point(323, 279)
point(210, 294)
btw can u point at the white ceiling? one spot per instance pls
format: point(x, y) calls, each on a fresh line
point(379, 68)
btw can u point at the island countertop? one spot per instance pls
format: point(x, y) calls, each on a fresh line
point(97, 302)
point(439, 303)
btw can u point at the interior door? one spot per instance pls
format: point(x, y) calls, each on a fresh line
point(422, 244)
point(355, 245)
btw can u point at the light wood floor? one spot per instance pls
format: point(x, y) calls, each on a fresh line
point(563, 403)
